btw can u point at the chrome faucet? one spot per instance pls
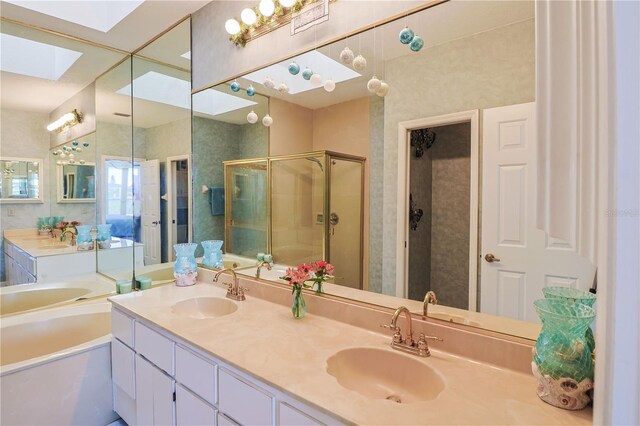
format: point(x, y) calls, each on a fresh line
point(234, 291)
point(73, 236)
point(407, 344)
point(267, 264)
point(430, 297)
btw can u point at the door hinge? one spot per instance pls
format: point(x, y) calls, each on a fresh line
point(174, 396)
point(405, 244)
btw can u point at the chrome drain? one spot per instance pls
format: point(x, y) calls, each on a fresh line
point(394, 398)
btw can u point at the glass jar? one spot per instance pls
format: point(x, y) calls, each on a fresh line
point(104, 236)
point(185, 269)
point(562, 361)
point(212, 253)
point(84, 241)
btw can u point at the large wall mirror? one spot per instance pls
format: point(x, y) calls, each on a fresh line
point(423, 184)
point(45, 76)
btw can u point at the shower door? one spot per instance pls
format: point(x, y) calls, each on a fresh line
point(345, 221)
point(246, 208)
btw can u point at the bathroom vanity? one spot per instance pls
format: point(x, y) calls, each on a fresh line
point(31, 258)
point(191, 356)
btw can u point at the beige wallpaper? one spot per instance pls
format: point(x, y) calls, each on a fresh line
point(490, 69)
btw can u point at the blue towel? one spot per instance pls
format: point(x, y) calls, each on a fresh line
point(216, 199)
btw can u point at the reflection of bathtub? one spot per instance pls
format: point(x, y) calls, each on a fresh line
point(27, 297)
point(57, 360)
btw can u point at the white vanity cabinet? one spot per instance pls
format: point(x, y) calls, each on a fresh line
point(160, 380)
point(20, 266)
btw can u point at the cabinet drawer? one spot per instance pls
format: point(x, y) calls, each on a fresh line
point(242, 401)
point(154, 347)
point(290, 416)
point(196, 373)
point(122, 327)
point(122, 367)
point(191, 410)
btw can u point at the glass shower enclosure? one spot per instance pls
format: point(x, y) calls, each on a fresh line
point(299, 208)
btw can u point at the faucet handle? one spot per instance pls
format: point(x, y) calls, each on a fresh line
point(397, 336)
point(431, 337)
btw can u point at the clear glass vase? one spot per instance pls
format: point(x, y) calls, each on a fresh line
point(84, 241)
point(298, 305)
point(574, 295)
point(562, 361)
point(104, 236)
point(185, 269)
point(212, 253)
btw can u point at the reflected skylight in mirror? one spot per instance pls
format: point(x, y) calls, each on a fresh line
point(98, 15)
point(35, 59)
point(157, 87)
point(315, 61)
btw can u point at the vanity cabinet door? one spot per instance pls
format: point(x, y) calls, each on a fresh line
point(197, 374)
point(122, 367)
point(154, 395)
point(191, 410)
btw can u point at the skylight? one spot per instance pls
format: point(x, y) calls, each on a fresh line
point(101, 15)
point(316, 61)
point(35, 59)
point(162, 88)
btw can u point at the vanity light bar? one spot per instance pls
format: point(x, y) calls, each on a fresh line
point(70, 119)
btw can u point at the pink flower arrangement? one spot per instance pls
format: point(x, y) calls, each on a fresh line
point(317, 272)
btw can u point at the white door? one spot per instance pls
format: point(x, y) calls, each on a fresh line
point(150, 220)
point(526, 259)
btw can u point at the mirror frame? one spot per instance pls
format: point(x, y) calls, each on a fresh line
point(41, 185)
point(59, 185)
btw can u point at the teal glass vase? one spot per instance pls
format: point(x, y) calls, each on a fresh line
point(574, 295)
point(562, 362)
point(104, 236)
point(212, 253)
point(185, 269)
point(84, 240)
point(298, 305)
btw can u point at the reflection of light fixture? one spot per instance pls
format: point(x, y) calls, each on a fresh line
point(267, 7)
point(232, 26)
point(248, 16)
point(70, 119)
point(266, 16)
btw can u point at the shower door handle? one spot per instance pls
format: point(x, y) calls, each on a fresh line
point(334, 219)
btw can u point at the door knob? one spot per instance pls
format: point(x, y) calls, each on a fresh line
point(155, 222)
point(489, 257)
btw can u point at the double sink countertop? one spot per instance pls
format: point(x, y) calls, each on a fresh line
point(262, 339)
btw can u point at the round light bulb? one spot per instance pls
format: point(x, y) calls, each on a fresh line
point(269, 83)
point(79, 149)
point(287, 3)
point(63, 155)
point(374, 84)
point(267, 120)
point(316, 79)
point(82, 161)
point(266, 7)
point(252, 117)
point(232, 26)
point(248, 16)
point(329, 85)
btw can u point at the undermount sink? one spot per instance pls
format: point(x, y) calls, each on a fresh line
point(204, 307)
point(384, 374)
point(457, 319)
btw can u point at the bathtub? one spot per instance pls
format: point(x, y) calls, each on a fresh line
point(27, 297)
point(55, 366)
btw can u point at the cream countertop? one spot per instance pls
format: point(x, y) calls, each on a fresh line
point(262, 339)
point(35, 245)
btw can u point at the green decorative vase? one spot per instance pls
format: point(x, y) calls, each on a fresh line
point(562, 360)
point(298, 305)
point(574, 295)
